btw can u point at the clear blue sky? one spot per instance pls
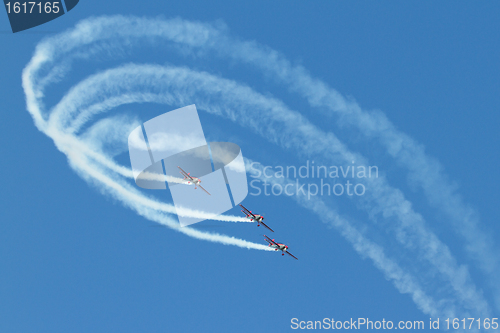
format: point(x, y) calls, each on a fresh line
point(75, 259)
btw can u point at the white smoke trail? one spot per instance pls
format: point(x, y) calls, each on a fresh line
point(404, 281)
point(130, 83)
point(83, 157)
point(176, 86)
point(424, 171)
point(134, 199)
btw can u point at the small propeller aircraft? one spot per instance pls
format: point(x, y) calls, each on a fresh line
point(277, 246)
point(195, 181)
point(257, 218)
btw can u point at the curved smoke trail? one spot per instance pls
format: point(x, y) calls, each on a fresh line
point(68, 124)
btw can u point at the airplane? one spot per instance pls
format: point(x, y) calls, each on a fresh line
point(277, 246)
point(252, 217)
point(190, 179)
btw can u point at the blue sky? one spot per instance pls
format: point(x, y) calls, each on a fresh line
point(411, 88)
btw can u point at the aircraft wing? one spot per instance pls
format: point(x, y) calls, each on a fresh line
point(270, 241)
point(203, 189)
point(184, 173)
point(246, 211)
point(266, 226)
point(291, 254)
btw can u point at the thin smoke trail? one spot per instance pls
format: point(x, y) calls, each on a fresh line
point(134, 199)
point(75, 151)
point(95, 79)
point(424, 171)
point(69, 142)
point(404, 281)
point(194, 35)
point(437, 253)
point(403, 278)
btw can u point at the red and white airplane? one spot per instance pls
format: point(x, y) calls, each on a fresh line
point(278, 246)
point(192, 180)
point(257, 218)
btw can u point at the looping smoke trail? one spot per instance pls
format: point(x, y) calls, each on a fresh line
point(180, 86)
point(133, 83)
point(93, 165)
